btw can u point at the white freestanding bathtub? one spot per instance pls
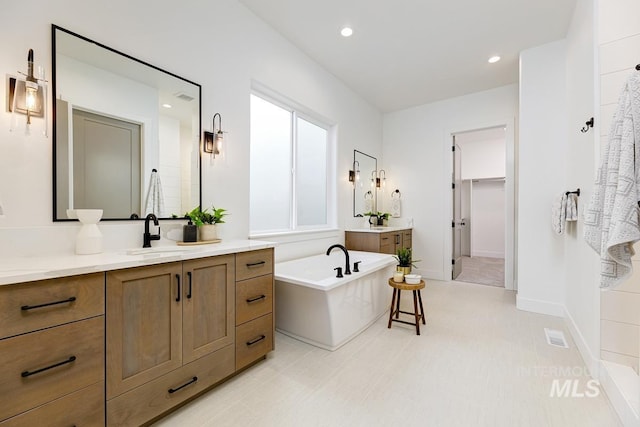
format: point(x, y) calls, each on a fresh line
point(314, 306)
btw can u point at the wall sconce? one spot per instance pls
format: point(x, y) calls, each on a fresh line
point(382, 176)
point(28, 96)
point(213, 140)
point(378, 178)
point(354, 174)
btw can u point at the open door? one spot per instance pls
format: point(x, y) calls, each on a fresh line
point(456, 222)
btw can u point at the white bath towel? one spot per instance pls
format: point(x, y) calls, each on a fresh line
point(611, 218)
point(559, 213)
point(155, 199)
point(571, 207)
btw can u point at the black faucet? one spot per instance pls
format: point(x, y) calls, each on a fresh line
point(148, 237)
point(347, 268)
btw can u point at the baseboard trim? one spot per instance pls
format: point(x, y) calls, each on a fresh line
point(488, 254)
point(541, 307)
point(620, 383)
point(593, 363)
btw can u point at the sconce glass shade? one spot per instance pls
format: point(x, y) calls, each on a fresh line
point(207, 145)
point(212, 143)
point(217, 143)
point(354, 175)
point(25, 98)
point(381, 181)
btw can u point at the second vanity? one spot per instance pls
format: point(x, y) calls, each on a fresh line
point(121, 339)
point(386, 240)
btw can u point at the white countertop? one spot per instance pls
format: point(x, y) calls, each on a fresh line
point(377, 229)
point(27, 269)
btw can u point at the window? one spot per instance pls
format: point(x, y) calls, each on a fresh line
point(289, 155)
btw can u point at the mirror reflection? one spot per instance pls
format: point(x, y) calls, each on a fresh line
point(364, 189)
point(126, 134)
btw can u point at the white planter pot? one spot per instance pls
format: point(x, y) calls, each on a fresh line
point(207, 232)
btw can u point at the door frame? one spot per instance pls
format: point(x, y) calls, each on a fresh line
point(511, 256)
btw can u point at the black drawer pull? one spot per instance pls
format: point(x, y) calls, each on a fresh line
point(193, 380)
point(31, 307)
point(255, 264)
point(178, 294)
point(250, 300)
point(26, 374)
point(190, 285)
point(256, 340)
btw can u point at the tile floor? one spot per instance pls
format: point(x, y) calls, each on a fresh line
point(482, 270)
point(478, 362)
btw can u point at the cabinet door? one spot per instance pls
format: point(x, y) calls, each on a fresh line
point(209, 305)
point(144, 325)
point(388, 243)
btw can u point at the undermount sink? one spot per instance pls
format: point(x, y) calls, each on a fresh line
point(161, 250)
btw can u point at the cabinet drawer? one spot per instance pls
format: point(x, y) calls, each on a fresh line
point(146, 402)
point(254, 298)
point(37, 305)
point(254, 339)
point(254, 264)
point(42, 366)
point(82, 408)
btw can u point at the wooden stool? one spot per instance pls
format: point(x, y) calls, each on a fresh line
point(395, 303)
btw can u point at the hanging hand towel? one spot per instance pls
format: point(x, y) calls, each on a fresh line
point(559, 213)
point(396, 206)
point(155, 199)
point(572, 207)
point(611, 218)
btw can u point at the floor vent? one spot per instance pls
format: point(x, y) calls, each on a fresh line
point(555, 338)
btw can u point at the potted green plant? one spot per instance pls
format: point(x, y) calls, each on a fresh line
point(405, 260)
point(206, 221)
point(379, 218)
point(383, 218)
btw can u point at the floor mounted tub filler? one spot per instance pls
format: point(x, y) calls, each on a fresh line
point(315, 306)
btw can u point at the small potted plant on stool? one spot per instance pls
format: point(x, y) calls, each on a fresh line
point(405, 260)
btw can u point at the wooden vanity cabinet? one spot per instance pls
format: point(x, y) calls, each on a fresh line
point(254, 306)
point(170, 332)
point(385, 242)
point(52, 352)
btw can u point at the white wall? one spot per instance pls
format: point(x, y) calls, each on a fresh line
point(224, 58)
point(169, 164)
point(417, 159)
point(582, 295)
point(488, 219)
point(542, 149)
point(483, 159)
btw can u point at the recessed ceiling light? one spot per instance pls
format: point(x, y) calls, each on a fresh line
point(494, 59)
point(346, 32)
point(166, 105)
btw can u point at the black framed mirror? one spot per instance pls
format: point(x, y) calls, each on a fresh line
point(126, 134)
point(364, 189)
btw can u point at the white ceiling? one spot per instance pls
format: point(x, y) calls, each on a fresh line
point(410, 52)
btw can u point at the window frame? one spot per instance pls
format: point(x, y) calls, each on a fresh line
point(300, 112)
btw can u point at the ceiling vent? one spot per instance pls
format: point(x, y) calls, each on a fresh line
point(184, 97)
